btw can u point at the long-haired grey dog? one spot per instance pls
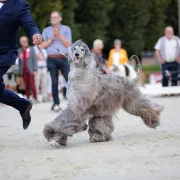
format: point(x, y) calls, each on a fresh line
point(97, 97)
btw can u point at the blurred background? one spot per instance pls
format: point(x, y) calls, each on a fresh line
point(138, 24)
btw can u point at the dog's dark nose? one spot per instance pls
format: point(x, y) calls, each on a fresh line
point(76, 54)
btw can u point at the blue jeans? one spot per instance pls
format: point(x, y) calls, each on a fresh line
point(8, 97)
point(171, 67)
point(54, 65)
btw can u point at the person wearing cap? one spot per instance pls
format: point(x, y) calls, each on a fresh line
point(13, 14)
point(117, 55)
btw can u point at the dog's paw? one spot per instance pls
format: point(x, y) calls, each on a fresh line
point(153, 124)
point(97, 138)
point(54, 143)
point(159, 108)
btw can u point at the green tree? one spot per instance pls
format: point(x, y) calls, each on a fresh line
point(68, 14)
point(41, 11)
point(171, 15)
point(92, 19)
point(156, 24)
point(128, 22)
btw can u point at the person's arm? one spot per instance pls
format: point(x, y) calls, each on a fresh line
point(125, 57)
point(178, 44)
point(158, 52)
point(25, 20)
point(159, 57)
point(110, 61)
point(34, 60)
point(47, 42)
point(66, 41)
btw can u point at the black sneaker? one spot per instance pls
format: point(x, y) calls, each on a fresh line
point(26, 117)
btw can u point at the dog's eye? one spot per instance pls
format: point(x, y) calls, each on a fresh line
point(82, 49)
point(74, 48)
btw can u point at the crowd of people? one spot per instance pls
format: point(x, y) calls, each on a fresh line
point(40, 66)
point(43, 70)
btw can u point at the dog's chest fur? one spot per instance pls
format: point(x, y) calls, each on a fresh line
point(82, 83)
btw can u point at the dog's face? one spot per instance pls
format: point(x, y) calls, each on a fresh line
point(78, 52)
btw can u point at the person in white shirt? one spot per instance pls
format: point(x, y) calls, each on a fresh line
point(168, 54)
point(41, 78)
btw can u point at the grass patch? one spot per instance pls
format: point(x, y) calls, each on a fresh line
point(150, 69)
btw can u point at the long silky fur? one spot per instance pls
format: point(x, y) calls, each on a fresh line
point(97, 97)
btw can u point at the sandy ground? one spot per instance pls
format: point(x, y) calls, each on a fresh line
point(136, 151)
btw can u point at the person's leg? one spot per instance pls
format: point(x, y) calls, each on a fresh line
point(38, 80)
point(65, 68)
point(174, 69)
point(164, 79)
point(27, 84)
point(44, 83)
point(54, 79)
point(49, 82)
point(9, 98)
point(32, 85)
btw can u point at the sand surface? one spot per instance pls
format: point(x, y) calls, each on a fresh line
point(136, 151)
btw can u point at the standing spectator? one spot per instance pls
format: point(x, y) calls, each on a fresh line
point(168, 53)
point(14, 14)
point(57, 36)
point(98, 55)
point(117, 55)
point(97, 51)
point(41, 78)
point(28, 67)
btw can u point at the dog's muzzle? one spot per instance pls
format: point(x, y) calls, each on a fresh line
point(77, 59)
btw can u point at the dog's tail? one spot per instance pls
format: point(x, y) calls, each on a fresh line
point(48, 131)
point(139, 70)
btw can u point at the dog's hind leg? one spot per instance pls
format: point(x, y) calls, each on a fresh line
point(137, 104)
point(100, 128)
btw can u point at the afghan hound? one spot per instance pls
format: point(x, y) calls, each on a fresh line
point(96, 97)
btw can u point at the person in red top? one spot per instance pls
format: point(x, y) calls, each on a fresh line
point(28, 67)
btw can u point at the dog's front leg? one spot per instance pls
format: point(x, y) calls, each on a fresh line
point(69, 122)
point(100, 128)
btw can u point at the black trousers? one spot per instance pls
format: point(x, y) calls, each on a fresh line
point(54, 65)
point(172, 67)
point(8, 97)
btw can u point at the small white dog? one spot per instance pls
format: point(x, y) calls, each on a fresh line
point(125, 70)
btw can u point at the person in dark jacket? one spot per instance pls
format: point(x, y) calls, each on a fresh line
point(13, 14)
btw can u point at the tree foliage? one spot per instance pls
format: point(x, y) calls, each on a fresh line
point(171, 15)
point(92, 19)
point(137, 23)
point(156, 24)
point(68, 8)
point(128, 21)
point(41, 11)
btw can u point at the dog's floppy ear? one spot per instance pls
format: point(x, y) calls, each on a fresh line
point(69, 55)
point(87, 50)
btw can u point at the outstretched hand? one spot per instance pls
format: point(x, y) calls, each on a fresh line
point(37, 39)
